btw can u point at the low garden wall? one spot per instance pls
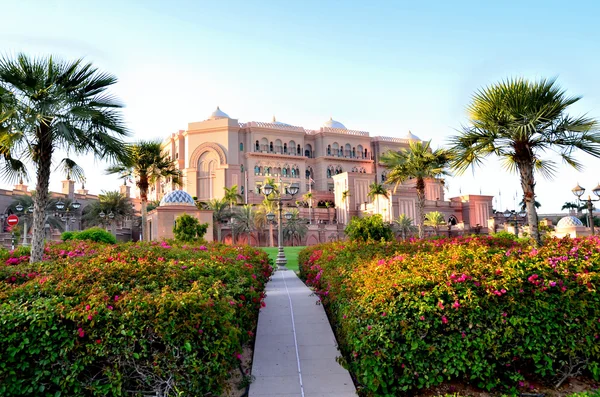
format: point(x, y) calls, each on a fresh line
point(488, 311)
point(129, 319)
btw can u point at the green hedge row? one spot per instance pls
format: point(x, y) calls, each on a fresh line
point(129, 319)
point(489, 311)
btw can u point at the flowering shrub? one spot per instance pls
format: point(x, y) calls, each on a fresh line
point(491, 311)
point(146, 318)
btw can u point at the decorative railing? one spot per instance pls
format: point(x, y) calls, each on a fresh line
point(390, 139)
point(272, 126)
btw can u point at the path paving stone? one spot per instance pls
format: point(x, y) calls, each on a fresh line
point(295, 349)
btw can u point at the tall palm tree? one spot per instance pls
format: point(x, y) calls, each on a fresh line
point(295, 227)
point(232, 197)
point(308, 197)
point(266, 207)
point(376, 190)
point(47, 105)
point(345, 195)
point(244, 221)
point(147, 163)
point(519, 121)
point(220, 211)
point(108, 202)
point(420, 162)
point(524, 206)
point(404, 225)
point(435, 219)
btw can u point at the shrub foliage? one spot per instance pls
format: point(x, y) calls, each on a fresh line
point(188, 229)
point(95, 234)
point(369, 228)
point(491, 311)
point(140, 319)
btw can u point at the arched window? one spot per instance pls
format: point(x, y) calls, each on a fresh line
point(264, 145)
point(353, 152)
point(207, 164)
point(292, 146)
point(366, 154)
point(452, 220)
point(257, 146)
point(271, 147)
point(284, 171)
point(297, 173)
point(359, 150)
point(383, 176)
point(348, 150)
point(242, 189)
point(278, 146)
point(335, 149)
point(338, 170)
point(298, 150)
point(329, 150)
point(256, 170)
point(328, 172)
point(308, 150)
point(354, 169)
point(241, 147)
point(285, 148)
point(242, 168)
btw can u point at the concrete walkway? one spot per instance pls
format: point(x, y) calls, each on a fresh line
point(295, 349)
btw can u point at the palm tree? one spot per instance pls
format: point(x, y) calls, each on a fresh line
point(524, 207)
point(573, 206)
point(345, 195)
point(47, 105)
point(266, 207)
point(244, 221)
point(220, 214)
point(420, 162)
point(435, 219)
point(376, 190)
point(232, 197)
point(295, 227)
point(519, 121)
point(308, 197)
point(147, 163)
point(108, 202)
point(404, 225)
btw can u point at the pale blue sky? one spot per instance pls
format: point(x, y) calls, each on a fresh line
point(383, 67)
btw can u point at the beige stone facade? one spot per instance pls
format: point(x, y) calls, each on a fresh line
point(221, 152)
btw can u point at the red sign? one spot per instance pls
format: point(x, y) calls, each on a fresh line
point(12, 220)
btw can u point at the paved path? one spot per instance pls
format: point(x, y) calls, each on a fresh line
point(295, 350)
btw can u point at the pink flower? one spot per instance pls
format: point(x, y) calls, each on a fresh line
point(441, 305)
point(87, 307)
point(109, 307)
point(98, 341)
point(444, 320)
point(238, 356)
point(81, 333)
point(369, 327)
point(231, 303)
point(456, 305)
point(200, 331)
point(90, 317)
point(203, 248)
point(383, 314)
point(463, 334)
point(422, 318)
point(504, 314)
point(422, 293)
point(552, 283)
point(116, 298)
point(344, 316)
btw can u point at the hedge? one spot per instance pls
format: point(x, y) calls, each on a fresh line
point(489, 311)
point(141, 319)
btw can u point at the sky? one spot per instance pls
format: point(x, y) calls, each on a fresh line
point(381, 67)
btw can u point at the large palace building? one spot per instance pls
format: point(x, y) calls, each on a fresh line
point(221, 152)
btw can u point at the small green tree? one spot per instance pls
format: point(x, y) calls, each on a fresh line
point(188, 229)
point(435, 219)
point(369, 228)
point(404, 225)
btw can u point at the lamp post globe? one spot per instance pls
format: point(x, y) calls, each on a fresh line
point(288, 215)
point(268, 189)
point(60, 205)
point(102, 214)
point(111, 215)
point(507, 214)
point(76, 205)
point(30, 210)
point(270, 217)
point(523, 214)
point(578, 191)
point(19, 207)
point(597, 190)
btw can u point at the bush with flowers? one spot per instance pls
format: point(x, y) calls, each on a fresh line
point(493, 312)
point(144, 319)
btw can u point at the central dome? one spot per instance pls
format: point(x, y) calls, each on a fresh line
point(412, 137)
point(331, 123)
point(569, 221)
point(177, 197)
point(218, 114)
point(274, 121)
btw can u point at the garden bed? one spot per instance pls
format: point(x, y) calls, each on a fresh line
point(144, 318)
point(486, 312)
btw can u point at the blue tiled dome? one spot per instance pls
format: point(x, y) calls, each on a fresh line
point(569, 221)
point(177, 197)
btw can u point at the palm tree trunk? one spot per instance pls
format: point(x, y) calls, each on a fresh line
point(421, 206)
point(528, 185)
point(40, 200)
point(219, 232)
point(143, 185)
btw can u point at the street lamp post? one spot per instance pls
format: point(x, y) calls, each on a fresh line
point(281, 260)
point(60, 206)
point(578, 192)
point(521, 214)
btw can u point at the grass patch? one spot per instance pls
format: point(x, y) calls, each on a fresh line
point(291, 253)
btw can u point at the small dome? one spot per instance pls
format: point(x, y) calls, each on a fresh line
point(331, 123)
point(569, 221)
point(412, 137)
point(218, 114)
point(177, 197)
point(274, 121)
